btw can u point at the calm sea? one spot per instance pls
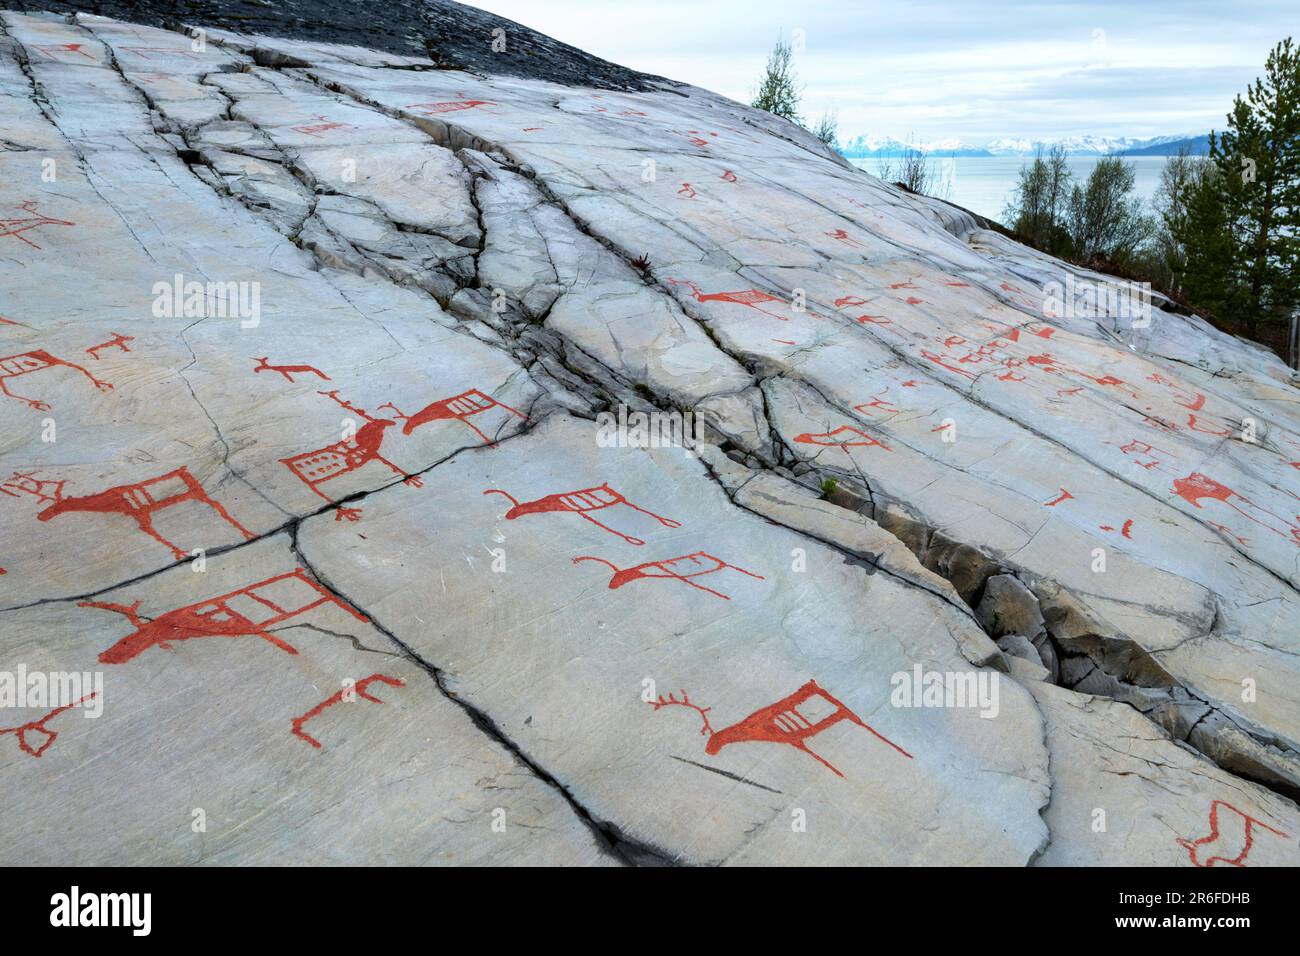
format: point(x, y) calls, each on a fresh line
point(983, 183)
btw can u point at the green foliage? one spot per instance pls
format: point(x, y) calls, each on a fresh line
point(1241, 233)
point(1038, 204)
point(779, 91)
point(826, 129)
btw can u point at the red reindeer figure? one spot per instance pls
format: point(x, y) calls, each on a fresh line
point(16, 227)
point(139, 501)
point(1194, 847)
point(38, 727)
point(118, 341)
point(314, 468)
point(359, 688)
point(857, 439)
point(581, 503)
point(791, 720)
point(459, 407)
point(13, 366)
point(683, 568)
point(248, 612)
point(288, 371)
point(750, 298)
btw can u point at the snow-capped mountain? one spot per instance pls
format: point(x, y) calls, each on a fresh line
point(861, 146)
point(1087, 145)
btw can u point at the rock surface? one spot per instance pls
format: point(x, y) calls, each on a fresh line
point(313, 348)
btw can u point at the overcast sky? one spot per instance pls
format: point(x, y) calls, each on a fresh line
point(971, 69)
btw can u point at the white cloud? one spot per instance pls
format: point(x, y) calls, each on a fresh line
point(974, 70)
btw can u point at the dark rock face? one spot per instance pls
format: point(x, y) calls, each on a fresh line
point(451, 34)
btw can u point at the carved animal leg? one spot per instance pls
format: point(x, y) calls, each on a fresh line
point(666, 522)
point(215, 505)
point(628, 538)
point(30, 402)
point(146, 525)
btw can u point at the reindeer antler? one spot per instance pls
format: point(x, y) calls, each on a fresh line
point(671, 701)
point(497, 491)
point(131, 611)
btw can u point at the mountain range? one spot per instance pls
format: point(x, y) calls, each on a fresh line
point(1088, 145)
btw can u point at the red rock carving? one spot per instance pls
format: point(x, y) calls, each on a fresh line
point(828, 439)
point(314, 468)
point(26, 483)
point(144, 51)
point(1063, 496)
point(728, 176)
point(1193, 847)
point(581, 503)
point(845, 238)
point(16, 227)
point(687, 191)
point(288, 371)
point(791, 720)
point(360, 688)
point(325, 126)
point(1197, 486)
point(449, 106)
point(50, 49)
point(13, 366)
point(38, 726)
point(750, 298)
point(459, 407)
point(248, 612)
point(140, 500)
point(118, 341)
point(705, 562)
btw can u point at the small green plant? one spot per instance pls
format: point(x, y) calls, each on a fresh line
point(828, 486)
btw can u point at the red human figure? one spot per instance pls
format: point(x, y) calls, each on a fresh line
point(750, 298)
point(16, 227)
point(459, 407)
point(118, 341)
point(1197, 486)
point(38, 727)
point(314, 468)
point(581, 503)
point(791, 720)
point(1193, 847)
point(13, 366)
point(695, 565)
point(288, 371)
point(360, 688)
point(863, 440)
point(248, 612)
point(140, 500)
point(686, 191)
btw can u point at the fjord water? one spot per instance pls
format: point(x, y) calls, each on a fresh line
point(983, 184)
